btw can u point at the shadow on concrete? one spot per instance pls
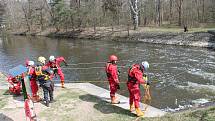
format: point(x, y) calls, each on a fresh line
point(4, 118)
point(105, 107)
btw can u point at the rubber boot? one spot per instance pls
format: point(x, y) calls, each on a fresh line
point(132, 107)
point(36, 98)
point(114, 100)
point(51, 97)
point(139, 112)
point(62, 84)
point(47, 103)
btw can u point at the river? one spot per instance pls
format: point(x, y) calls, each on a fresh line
point(179, 75)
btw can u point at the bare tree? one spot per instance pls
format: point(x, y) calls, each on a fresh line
point(179, 4)
point(170, 11)
point(203, 10)
point(34, 15)
point(134, 12)
point(158, 12)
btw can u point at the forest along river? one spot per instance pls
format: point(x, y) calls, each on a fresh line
point(182, 77)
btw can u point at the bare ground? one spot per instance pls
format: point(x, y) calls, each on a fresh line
point(199, 37)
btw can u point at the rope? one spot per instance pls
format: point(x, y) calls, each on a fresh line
point(88, 63)
point(147, 96)
point(91, 68)
point(117, 66)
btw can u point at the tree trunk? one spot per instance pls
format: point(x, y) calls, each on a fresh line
point(197, 8)
point(145, 17)
point(41, 19)
point(30, 14)
point(170, 11)
point(179, 7)
point(179, 17)
point(203, 10)
point(135, 13)
point(158, 12)
point(26, 18)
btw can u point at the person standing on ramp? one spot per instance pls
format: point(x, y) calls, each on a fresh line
point(113, 78)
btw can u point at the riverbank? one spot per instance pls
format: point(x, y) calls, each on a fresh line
point(78, 105)
point(198, 37)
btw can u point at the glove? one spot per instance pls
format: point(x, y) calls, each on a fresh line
point(118, 87)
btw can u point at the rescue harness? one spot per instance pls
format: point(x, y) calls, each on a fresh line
point(132, 78)
point(39, 72)
point(107, 70)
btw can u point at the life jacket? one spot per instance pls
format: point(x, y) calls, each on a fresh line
point(107, 70)
point(53, 64)
point(130, 77)
point(39, 73)
point(38, 70)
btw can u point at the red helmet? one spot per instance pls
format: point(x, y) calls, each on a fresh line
point(113, 58)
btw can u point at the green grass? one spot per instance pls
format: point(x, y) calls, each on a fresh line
point(68, 95)
point(63, 106)
point(3, 98)
point(198, 115)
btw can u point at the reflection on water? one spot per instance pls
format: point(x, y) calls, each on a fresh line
point(170, 66)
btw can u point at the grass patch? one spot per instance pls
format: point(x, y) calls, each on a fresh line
point(63, 107)
point(198, 115)
point(67, 94)
point(203, 115)
point(3, 98)
point(73, 104)
point(2, 103)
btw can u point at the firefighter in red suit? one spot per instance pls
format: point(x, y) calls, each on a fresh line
point(54, 63)
point(33, 83)
point(135, 79)
point(112, 75)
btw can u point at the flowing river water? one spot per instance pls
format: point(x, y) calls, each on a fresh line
point(180, 76)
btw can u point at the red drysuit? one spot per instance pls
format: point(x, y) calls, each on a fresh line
point(112, 74)
point(135, 78)
point(33, 83)
point(56, 67)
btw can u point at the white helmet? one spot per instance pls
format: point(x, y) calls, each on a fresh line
point(42, 59)
point(30, 63)
point(145, 64)
point(51, 58)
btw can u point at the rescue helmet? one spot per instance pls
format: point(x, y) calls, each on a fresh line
point(42, 59)
point(51, 58)
point(113, 58)
point(30, 63)
point(145, 64)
